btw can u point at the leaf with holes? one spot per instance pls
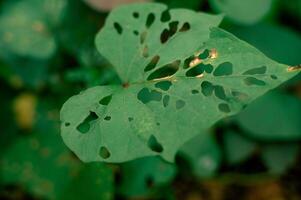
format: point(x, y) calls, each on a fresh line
point(179, 76)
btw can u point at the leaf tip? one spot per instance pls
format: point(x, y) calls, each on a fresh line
point(294, 68)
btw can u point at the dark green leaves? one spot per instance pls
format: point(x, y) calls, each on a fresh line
point(143, 118)
point(24, 32)
point(244, 12)
point(44, 167)
point(279, 121)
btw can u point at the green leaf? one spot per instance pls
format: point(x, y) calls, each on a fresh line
point(279, 157)
point(237, 147)
point(203, 154)
point(153, 172)
point(275, 116)
point(24, 30)
point(167, 97)
point(244, 12)
point(148, 31)
point(27, 41)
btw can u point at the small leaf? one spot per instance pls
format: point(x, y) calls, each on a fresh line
point(138, 109)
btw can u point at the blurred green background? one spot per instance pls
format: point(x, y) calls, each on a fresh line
point(47, 54)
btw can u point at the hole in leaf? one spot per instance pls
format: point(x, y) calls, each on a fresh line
point(165, 71)
point(224, 69)
point(199, 69)
point(207, 68)
point(104, 152)
point(259, 70)
point(205, 54)
point(187, 62)
point(136, 15)
point(194, 92)
point(145, 51)
point(165, 17)
point(163, 85)
point(223, 107)
point(136, 32)
point(108, 118)
point(166, 100)
point(118, 28)
point(84, 127)
point(207, 88)
point(106, 100)
point(173, 27)
point(130, 119)
point(164, 36)
point(143, 37)
point(150, 20)
point(158, 123)
point(154, 145)
point(180, 104)
point(253, 81)
point(274, 77)
point(146, 96)
point(195, 60)
point(152, 64)
point(67, 124)
point(168, 33)
point(220, 92)
point(185, 27)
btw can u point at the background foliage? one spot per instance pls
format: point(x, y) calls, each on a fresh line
point(47, 54)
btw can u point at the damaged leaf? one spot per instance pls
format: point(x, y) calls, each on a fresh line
point(164, 100)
